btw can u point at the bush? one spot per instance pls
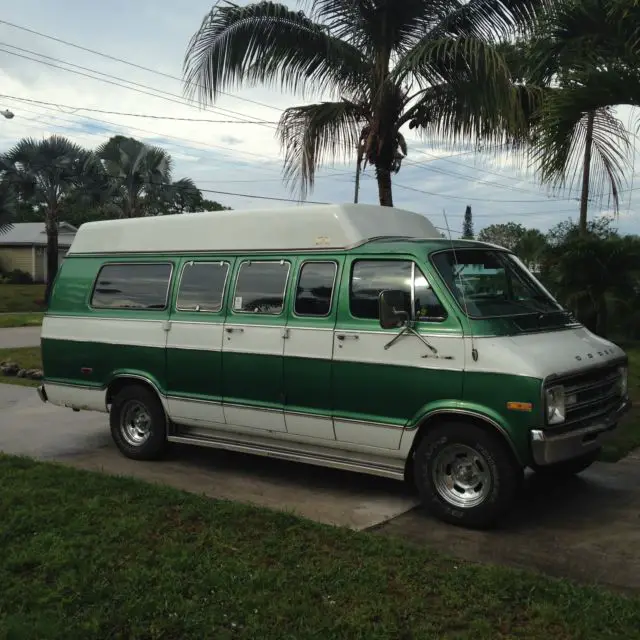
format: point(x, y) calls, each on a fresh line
point(17, 276)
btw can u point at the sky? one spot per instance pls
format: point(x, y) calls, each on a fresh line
point(228, 154)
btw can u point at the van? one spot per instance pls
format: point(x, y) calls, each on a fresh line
point(346, 336)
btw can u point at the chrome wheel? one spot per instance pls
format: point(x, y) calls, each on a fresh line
point(461, 476)
point(135, 423)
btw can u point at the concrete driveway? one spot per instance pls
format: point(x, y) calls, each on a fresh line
point(588, 529)
point(18, 337)
point(29, 427)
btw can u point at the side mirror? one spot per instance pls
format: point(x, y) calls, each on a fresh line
point(391, 306)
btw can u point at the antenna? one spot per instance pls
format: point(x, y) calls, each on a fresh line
point(474, 351)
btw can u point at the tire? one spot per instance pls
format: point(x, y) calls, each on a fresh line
point(146, 440)
point(567, 468)
point(484, 492)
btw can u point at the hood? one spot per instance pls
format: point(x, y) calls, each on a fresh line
point(539, 355)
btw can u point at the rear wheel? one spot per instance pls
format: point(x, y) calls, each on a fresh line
point(138, 423)
point(567, 468)
point(466, 475)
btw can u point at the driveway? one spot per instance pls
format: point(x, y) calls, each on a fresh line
point(588, 529)
point(18, 337)
point(29, 427)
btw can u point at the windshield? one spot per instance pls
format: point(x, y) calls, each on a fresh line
point(488, 283)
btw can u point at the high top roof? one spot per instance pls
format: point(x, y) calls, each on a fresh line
point(305, 227)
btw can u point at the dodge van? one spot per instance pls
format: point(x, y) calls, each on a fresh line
point(346, 336)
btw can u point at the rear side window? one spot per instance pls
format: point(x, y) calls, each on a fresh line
point(202, 286)
point(132, 286)
point(315, 289)
point(260, 287)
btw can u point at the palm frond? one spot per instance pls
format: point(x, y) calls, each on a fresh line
point(491, 20)
point(8, 206)
point(559, 145)
point(268, 43)
point(313, 133)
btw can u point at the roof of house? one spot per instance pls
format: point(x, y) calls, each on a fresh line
point(281, 229)
point(34, 233)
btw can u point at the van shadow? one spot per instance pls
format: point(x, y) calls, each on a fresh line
point(594, 496)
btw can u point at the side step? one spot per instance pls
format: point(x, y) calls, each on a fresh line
point(304, 454)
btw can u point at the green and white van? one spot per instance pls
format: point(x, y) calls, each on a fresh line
point(347, 336)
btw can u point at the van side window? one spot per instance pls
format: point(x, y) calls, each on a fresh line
point(260, 287)
point(370, 277)
point(132, 286)
point(427, 306)
point(202, 286)
point(314, 292)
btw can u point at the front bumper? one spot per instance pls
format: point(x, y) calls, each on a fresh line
point(548, 448)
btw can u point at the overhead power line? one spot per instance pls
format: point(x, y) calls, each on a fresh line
point(118, 82)
point(127, 62)
point(124, 113)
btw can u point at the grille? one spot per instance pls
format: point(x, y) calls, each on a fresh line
point(592, 394)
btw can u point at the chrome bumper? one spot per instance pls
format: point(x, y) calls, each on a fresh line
point(548, 448)
point(42, 394)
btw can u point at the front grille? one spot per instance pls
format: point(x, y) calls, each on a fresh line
point(592, 395)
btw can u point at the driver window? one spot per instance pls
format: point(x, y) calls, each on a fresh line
point(427, 305)
point(370, 277)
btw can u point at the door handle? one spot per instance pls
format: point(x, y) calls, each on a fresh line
point(347, 336)
point(232, 329)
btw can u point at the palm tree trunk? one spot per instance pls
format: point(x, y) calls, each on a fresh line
point(358, 170)
point(52, 253)
point(586, 172)
point(384, 187)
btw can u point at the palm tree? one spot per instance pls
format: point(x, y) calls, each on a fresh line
point(46, 172)
point(7, 206)
point(584, 61)
point(183, 195)
point(378, 61)
point(135, 173)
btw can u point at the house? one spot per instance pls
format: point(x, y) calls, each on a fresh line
point(24, 247)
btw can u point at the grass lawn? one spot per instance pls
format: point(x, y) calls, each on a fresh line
point(20, 319)
point(21, 298)
point(93, 556)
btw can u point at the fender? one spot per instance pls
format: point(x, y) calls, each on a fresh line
point(142, 376)
point(451, 407)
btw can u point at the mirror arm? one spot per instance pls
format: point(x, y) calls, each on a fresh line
point(408, 328)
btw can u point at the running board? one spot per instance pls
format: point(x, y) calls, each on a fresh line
point(293, 455)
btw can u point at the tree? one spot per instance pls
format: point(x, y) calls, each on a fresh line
point(135, 175)
point(593, 273)
point(506, 235)
point(467, 225)
point(380, 62)
point(8, 207)
point(584, 60)
point(531, 248)
point(47, 172)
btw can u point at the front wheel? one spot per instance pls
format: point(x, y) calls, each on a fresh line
point(466, 475)
point(138, 423)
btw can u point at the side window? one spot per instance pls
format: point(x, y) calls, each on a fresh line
point(370, 277)
point(202, 286)
point(260, 287)
point(315, 289)
point(132, 286)
point(427, 306)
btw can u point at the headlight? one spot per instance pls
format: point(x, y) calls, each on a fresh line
point(555, 405)
point(623, 384)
